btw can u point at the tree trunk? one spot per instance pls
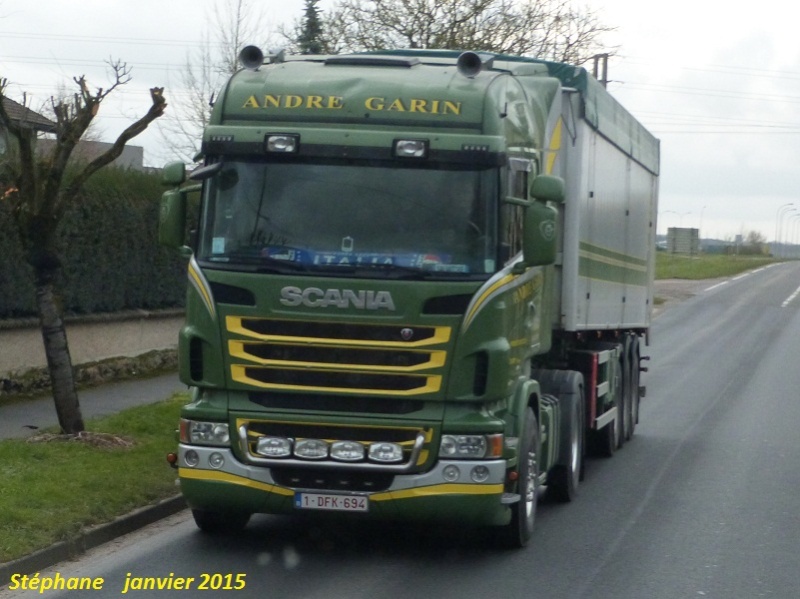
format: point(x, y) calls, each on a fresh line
point(56, 348)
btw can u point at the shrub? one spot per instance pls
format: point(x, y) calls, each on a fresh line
point(111, 258)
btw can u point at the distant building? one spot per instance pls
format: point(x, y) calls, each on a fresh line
point(24, 116)
point(132, 157)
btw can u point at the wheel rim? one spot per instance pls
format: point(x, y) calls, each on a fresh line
point(635, 389)
point(530, 487)
point(575, 450)
point(620, 405)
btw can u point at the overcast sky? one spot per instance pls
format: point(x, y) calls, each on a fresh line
point(717, 83)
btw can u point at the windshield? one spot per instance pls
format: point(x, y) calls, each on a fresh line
point(352, 216)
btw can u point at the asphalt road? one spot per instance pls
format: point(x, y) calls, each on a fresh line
point(703, 502)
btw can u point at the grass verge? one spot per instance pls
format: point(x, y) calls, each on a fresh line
point(706, 266)
point(51, 490)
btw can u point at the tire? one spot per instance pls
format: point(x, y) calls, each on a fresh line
point(634, 386)
point(564, 479)
point(635, 381)
point(212, 522)
point(518, 532)
point(626, 370)
point(568, 387)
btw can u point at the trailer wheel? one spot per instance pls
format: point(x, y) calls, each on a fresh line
point(564, 478)
point(635, 381)
point(212, 522)
point(626, 370)
point(518, 532)
point(607, 440)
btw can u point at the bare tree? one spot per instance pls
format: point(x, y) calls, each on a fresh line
point(549, 29)
point(38, 190)
point(236, 25)
point(755, 242)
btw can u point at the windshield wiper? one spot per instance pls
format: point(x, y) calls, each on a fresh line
point(410, 272)
point(395, 271)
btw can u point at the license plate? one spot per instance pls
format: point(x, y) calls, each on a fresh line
point(327, 501)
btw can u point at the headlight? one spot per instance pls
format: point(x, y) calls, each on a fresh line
point(466, 447)
point(274, 447)
point(282, 144)
point(411, 148)
point(347, 451)
point(386, 453)
point(311, 449)
point(205, 433)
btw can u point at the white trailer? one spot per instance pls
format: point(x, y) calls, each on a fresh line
point(610, 165)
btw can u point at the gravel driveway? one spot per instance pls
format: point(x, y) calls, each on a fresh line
point(670, 291)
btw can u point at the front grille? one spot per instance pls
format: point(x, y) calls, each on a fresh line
point(334, 403)
point(336, 357)
point(335, 380)
point(335, 330)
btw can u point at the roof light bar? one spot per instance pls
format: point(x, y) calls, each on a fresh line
point(411, 148)
point(281, 143)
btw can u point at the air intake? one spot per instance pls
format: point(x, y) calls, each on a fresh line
point(251, 57)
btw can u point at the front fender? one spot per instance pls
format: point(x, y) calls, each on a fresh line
point(526, 394)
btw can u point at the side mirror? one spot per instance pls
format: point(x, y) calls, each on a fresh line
point(172, 218)
point(547, 188)
point(539, 235)
point(173, 174)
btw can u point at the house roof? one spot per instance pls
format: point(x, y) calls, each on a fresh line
point(18, 112)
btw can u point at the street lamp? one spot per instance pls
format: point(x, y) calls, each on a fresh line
point(794, 234)
point(778, 218)
point(700, 228)
point(680, 215)
point(784, 214)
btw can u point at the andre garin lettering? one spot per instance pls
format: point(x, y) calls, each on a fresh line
point(372, 104)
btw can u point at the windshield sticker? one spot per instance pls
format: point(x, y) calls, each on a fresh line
point(218, 245)
point(435, 262)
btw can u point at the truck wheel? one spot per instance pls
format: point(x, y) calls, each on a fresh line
point(634, 387)
point(220, 522)
point(626, 370)
point(607, 440)
point(635, 382)
point(564, 479)
point(518, 532)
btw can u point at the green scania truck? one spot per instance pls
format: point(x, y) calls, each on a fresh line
point(419, 288)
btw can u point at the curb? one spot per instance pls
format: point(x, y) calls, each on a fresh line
point(90, 539)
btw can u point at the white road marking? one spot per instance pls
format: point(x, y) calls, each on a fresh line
point(717, 285)
point(789, 299)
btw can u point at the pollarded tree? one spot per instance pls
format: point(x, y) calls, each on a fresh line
point(548, 29)
point(38, 189)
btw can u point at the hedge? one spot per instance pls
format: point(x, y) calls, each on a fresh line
point(108, 241)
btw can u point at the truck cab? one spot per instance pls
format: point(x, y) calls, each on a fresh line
point(373, 319)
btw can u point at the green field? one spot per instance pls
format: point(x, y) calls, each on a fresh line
point(706, 266)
